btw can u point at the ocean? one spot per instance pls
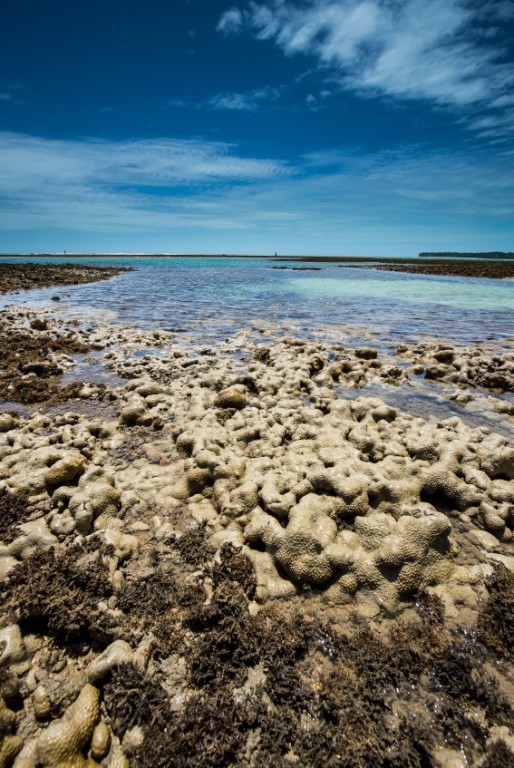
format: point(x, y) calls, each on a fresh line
point(208, 299)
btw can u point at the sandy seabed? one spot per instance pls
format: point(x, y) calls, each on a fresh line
point(209, 557)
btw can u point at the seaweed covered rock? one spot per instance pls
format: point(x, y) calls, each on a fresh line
point(14, 509)
point(60, 594)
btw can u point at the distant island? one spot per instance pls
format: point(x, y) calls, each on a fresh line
point(456, 255)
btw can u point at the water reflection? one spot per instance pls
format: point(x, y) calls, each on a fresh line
point(215, 298)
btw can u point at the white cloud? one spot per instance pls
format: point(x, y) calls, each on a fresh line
point(5, 97)
point(190, 189)
point(444, 51)
point(231, 21)
point(249, 101)
point(236, 102)
point(243, 102)
point(96, 183)
point(27, 160)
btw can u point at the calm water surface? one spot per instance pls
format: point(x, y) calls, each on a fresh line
point(212, 298)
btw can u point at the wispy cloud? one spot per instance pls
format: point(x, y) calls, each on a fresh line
point(27, 160)
point(231, 21)
point(95, 184)
point(449, 52)
point(331, 201)
point(248, 101)
point(5, 97)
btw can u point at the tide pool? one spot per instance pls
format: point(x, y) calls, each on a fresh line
point(210, 298)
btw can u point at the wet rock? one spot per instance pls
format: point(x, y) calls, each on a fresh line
point(436, 372)
point(444, 355)
point(366, 353)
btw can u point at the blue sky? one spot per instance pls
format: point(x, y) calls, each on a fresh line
point(380, 127)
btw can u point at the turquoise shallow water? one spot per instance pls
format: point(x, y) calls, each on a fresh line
point(215, 297)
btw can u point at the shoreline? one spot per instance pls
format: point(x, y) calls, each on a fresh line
point(422, 266)
point(442, 267)
point(15, 277)
point(236, 560)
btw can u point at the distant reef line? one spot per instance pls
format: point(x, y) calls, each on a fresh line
point(69, 255)
point(491, 255)
point(459, 255)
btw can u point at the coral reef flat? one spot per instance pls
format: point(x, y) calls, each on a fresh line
point(16, 277)
point(497, 269)
point(234, 555)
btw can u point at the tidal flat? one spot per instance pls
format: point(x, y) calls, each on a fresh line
point(234, 553)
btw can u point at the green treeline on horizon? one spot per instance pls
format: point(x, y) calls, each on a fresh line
point(482, 255)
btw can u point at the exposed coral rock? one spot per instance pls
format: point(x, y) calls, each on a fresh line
point(232, 397)
point(12, 647)
point(92, 499)
point(7, 422)
point(41, 702)
point(65, 470)
point(133, 412)
point(7, 564)
point(243, 478)
point(62, 525)
point(10, 744)
point(34, 536)
point(9, 747)
point(100, 741)
point(302, 547)
point(117, 653)
point(61, 744)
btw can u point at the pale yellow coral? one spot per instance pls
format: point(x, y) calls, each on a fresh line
point(62, 743)
point(10, 744)
point(310, 531)
point(303, 560)
point(9, 748)
point(41, 702)
point(65, 470)
point(100, 741)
